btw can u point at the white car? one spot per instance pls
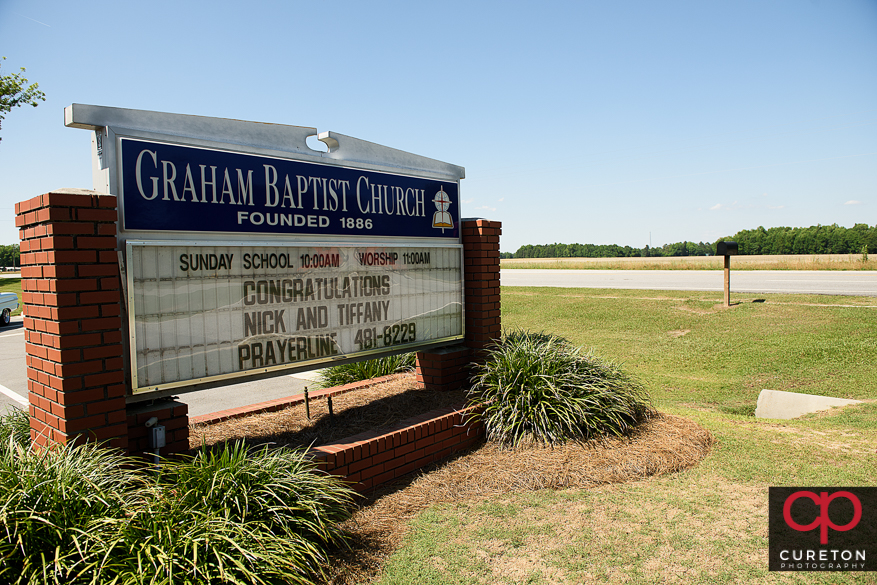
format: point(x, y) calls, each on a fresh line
point(8, 303)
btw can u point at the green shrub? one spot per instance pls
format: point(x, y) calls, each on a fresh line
point(86, 514)
point(49, 498)
point(229, 515)
point(539, 387)
point(278, 486)
point(15, 425)
point(367, 369)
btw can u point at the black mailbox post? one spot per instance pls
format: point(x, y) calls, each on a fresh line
point(727, 249)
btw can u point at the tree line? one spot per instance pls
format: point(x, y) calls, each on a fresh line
point(9, 256)
point(818, 239)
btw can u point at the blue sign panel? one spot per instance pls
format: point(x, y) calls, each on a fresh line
point(169, 187)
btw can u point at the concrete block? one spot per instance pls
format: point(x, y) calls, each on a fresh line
point(786, 405)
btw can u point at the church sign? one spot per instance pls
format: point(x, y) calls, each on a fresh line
point(245, 252)
point(168, 187)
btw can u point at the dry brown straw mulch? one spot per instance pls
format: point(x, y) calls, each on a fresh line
point(663, 444)
point(372, 408)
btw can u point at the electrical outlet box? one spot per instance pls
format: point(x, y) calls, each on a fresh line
point(157, 439)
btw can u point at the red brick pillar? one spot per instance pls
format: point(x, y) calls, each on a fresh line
point(71, 292)
point(481, 251)
point(447, 368)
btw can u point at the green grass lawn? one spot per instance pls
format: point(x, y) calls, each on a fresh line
point(709, 523)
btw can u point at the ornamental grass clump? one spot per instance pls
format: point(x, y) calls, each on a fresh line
point(229, 515)
point(15, 425)
point(367, 369)
point(87, 514)
point(277, 486)
point(49, 501)
point(536, 387)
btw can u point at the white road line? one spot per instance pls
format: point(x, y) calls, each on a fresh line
point(818, 280)
point(15, 396)
point(809, 291)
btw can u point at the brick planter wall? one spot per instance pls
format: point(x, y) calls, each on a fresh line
point(380, 457)
point(288, 401)
point(370, 459)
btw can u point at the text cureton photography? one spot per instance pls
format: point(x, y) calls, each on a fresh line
point(822, 528)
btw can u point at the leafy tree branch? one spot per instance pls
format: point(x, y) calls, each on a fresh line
point(15, 92)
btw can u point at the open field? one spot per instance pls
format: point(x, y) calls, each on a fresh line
point(773, 262)
point(707, 524)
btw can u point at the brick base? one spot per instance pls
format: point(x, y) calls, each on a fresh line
point(170, 413)
point(370, 459)
point(444, 368)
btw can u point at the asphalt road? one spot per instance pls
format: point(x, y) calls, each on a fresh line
point(13, 371)
point(13, 375)
point(815, 282)
point(13, 381)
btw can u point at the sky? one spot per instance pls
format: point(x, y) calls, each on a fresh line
point(610, 122)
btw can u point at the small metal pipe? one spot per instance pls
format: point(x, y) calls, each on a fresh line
point(307, 404)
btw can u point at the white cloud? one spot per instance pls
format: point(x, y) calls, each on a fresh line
point(853, 202)
point(468, 200)
point(732, 206)
point(486, 207)
point(501, 199)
